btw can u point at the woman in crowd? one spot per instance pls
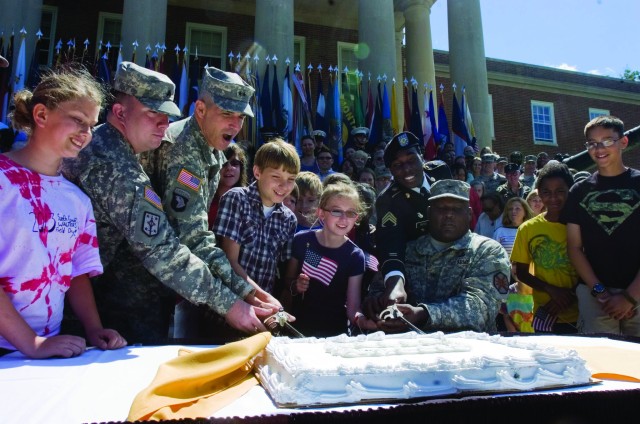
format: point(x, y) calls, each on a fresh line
point(232, 174)
point(308, 160)
point(535, 202)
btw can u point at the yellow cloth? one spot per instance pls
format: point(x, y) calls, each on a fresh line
point(196, 384)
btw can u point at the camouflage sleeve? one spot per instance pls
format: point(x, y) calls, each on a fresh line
point(485, 285)
point(391, 253)
point(186, 207)
point(135, 210)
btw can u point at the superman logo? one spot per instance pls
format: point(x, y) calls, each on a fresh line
point(610, 208)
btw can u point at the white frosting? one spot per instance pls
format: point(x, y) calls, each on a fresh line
point(309, 371)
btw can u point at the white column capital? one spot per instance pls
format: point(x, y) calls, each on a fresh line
point(405, 5)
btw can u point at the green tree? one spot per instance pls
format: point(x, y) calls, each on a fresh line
point(631, 75)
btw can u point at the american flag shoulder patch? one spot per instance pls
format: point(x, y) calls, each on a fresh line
point(151, 197)
point(187, 179)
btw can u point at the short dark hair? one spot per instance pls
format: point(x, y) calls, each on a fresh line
point(554, 169)
point(605, 121)
point(495, 198)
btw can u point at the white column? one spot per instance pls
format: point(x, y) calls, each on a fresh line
point(467, 62)
point(376, 36)
point(419, 46)
point(15, 16)
point(274, 34)
point(144, 21)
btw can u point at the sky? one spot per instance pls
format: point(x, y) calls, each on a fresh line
point(599, 37)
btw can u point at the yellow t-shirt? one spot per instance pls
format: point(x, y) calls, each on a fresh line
point(544, 244)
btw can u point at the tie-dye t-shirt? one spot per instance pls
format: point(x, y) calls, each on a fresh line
point(47, 237)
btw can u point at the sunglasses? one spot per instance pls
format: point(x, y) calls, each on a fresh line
point(233, 162)
point(339, 214)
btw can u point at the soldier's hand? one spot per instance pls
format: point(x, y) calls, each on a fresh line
point(262, 299)
point(247, 318)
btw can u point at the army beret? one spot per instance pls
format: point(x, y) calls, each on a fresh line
point(403, 141)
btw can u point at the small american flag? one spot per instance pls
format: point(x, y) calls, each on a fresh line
point(152, 197)
point(319, 267)
point(188, 179)
point(543, 320)
point(371, 261)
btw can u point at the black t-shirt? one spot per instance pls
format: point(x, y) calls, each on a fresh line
point(607, 209)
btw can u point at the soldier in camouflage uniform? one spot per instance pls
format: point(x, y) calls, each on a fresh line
point(456, 279)
point(145, 264)
point(491, 179)
point(185, 170)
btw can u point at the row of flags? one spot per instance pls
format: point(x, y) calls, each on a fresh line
point(291, 111)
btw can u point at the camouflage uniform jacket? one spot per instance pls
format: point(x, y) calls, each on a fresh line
point(460, 286)
point(129, 215)
point(185, 171)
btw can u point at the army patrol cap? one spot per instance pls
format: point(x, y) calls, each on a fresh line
point(530, 158)
point(403, 141)
point(360, 130)
point(512, 167)
point(454, 189)
point(319, 133)
point(488, 157)
point(227, 89)
point(151, 88)
point(502, 159)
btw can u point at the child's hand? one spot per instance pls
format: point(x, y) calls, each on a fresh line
point(106, 339)
point(302, 283)
point(64, 346)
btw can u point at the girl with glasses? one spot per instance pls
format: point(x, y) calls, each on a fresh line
point(326, 268)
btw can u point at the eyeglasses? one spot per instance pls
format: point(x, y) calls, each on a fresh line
point(604, 143)
point(339, 214)
point(233, 162)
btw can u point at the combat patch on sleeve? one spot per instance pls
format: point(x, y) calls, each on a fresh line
point(389, 220)
point(501, 283)
point(151, 197)
point(150, 224)
point(179, 199)
point(189, 180)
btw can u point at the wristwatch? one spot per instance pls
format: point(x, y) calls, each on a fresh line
point(597, 289)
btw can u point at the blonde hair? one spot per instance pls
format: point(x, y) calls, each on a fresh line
point(54, 88)
point(344, 190)
point(276, 154)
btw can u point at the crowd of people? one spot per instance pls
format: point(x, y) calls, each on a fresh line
point(162, 227)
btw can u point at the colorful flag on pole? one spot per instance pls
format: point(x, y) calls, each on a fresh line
point(443, 124)
point(395, 119)
point(416, 120)
point(468, 122)
point(460, 136)
point(336, 122)
point(265, 100)
point(407, 109)
point(319, 267)
point(20, 72)
point(183, 99)
point(276, 103)
point(387, 125)
point(287, 106)
point(321, 121)
point(430, 149)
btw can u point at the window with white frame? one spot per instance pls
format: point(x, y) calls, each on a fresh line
point(543, 120)
point(209, 43)
point(347, 56)
point(109, 31)
point(46, 45)
point(594, 113)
